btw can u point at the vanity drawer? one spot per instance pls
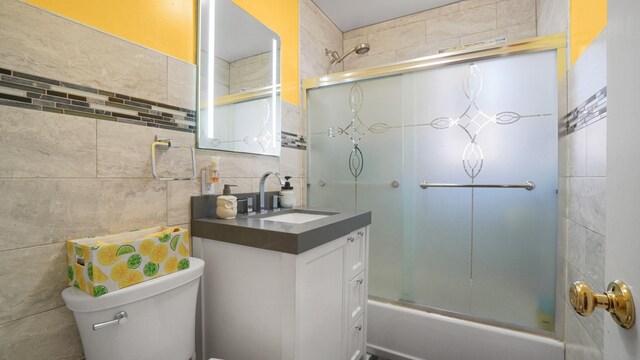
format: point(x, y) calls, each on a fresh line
point(357, 298)
point(356, 340)
point(356, 248)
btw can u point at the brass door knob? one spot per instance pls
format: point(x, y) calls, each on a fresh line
point(617, 301)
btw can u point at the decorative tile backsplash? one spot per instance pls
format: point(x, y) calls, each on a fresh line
point(39, 93)
point(293, 141)
point(590, 111)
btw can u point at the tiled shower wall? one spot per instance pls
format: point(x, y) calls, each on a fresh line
point(64, 176)
point(427, 32)
point(582, 182)
point(586, 196)
point(317, 33)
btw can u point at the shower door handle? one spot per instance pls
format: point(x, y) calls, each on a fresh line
point(617, 301)
point(529, 185)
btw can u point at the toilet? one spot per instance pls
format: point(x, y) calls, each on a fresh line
point(154, 319)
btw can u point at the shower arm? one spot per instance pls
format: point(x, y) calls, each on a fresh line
point(344, 55)
point(335, 57)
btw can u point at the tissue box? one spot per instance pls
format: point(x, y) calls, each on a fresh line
point(104, 264)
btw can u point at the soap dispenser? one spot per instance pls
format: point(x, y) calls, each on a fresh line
point(287, 196)
point(227, 204)
point(210, 177)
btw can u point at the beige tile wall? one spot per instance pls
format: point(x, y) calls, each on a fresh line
point(427, 32)
point(583, 188)
point(65, 177)
point(317, 33)
point(39, 43)
point(586, 203)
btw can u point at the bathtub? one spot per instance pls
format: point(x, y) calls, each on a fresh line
point(400, 333)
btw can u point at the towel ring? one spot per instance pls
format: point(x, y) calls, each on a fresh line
point(170, 143)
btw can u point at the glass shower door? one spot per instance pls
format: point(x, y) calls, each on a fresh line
point(514, 244)
point(439, 277)
point(487, 253)
point(367, 114)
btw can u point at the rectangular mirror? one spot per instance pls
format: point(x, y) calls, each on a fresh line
point(239, 81)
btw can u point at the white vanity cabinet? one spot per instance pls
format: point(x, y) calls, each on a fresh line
point(269, 305)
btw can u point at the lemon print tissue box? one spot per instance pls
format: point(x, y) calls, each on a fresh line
point(105, 264)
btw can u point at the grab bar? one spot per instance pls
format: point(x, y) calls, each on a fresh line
point(170, 143)
point(529, 185)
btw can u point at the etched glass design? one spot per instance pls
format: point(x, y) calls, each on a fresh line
point(244, 136)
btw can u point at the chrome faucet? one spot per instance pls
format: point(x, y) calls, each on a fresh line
point(262, 181)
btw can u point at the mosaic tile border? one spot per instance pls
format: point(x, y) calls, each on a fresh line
point(592, 110)
point(294, 141)
point(39, 93)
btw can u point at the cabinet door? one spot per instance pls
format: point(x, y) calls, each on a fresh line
point(356, 298)
point(356, 243)
point(319, 308)
point(356, 340)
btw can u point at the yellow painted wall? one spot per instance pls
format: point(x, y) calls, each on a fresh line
point(167, 26)
point(588, 18)
point(281, 16)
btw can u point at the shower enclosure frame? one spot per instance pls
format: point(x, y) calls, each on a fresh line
point(557, 42)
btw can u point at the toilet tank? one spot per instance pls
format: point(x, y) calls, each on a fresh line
point(160, 320)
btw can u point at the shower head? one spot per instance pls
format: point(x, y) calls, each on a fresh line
point(359, 49)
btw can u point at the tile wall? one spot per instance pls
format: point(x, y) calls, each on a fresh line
point(65, 176)
point(586, 195)
point(427, 32)
point(43, 94)
point(582, 181)
point(317, 33)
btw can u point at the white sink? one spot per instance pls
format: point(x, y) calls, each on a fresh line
point(295, 217)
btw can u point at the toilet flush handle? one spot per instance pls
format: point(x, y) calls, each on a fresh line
point(120, 318)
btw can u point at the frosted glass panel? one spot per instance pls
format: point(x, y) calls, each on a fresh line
point(442, 215)
point(490, 122)
point(483, 252)
point(514, 244)
point(330, 108)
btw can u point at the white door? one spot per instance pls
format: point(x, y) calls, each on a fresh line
point(623, 174)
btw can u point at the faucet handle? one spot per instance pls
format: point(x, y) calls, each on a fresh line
point(242, 206)
point(249, 205)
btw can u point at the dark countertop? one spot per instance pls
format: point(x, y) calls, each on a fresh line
point(251, 230)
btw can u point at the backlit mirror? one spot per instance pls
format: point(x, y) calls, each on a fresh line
point(239, 100)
